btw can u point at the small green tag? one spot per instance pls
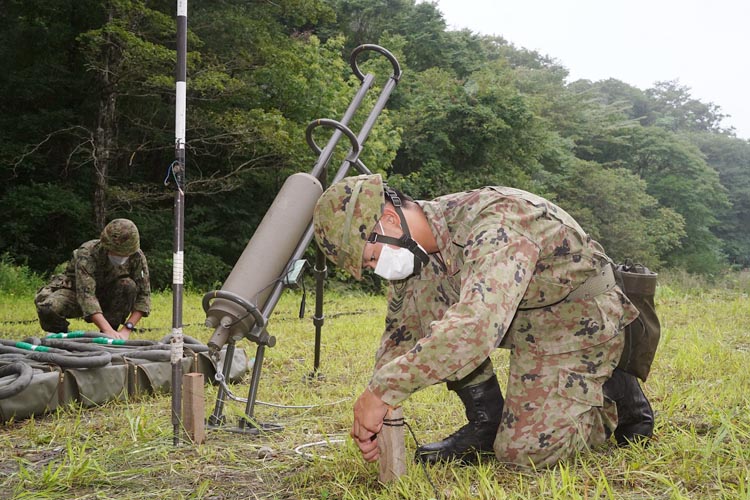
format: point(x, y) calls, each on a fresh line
point(108, 341)
point(69, 335)
point(32, 347)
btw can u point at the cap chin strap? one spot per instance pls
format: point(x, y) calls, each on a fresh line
point(405, 241)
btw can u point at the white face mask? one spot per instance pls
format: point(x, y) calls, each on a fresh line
point(394, 263)
point(118, 260)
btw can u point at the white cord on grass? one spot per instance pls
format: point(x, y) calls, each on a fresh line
point(298, 449)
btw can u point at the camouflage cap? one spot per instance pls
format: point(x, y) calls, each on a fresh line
point(343, 218)
point(121, 237)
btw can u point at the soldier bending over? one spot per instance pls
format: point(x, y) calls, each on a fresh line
point(106, 282)
point(473, 271)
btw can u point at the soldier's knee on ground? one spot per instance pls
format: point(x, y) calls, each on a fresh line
point(572, 417)
point(548, 447)
point(41, 296)
point(49, 319)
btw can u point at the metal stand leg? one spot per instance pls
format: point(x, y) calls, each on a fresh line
point(247, 423)
point(319, 271)
point(253, 391)
point(217, 418)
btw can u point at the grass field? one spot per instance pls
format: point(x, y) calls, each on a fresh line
point(698, 388)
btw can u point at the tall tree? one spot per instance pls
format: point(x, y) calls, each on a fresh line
point(677, 175)
point(87, 127)
point(731, 159)
point(45, 97)
point(118, 58)
point(613, 206)
point(677, 110)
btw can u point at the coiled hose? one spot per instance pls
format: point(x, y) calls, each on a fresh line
point(24, 372)
point(59, 357)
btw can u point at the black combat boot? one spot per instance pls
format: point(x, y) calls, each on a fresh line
point(484, 406)
point(635, 418)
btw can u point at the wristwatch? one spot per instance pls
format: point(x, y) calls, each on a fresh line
point(130, 326)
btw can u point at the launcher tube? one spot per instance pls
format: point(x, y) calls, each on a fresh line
point(260, 268)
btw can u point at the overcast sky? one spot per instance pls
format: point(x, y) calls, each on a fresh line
point(703, 44)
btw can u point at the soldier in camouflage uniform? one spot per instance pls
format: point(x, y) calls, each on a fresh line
point(106, 282)
point(473, 271)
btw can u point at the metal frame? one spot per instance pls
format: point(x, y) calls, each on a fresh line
point(258, 333)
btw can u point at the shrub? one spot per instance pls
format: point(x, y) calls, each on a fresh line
point(17, 279)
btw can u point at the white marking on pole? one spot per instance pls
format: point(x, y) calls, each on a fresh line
point(180, 107)
point(178, 261)
point(177, 345)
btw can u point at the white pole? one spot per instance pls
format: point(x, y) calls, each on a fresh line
point(178, 169)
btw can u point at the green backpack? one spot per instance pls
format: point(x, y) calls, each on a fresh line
point(642, 335)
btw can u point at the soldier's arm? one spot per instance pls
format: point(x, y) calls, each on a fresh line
point(124, 332)
point(143, 284)
point(85, 270)
point(402, 328)
point(103, 325)
point(495, 275)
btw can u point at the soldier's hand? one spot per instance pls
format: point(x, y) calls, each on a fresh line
point(101, 322)
point(369, 411)
point(122, 333)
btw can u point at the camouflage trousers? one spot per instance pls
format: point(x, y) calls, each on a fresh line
point(555, 406)
point(57, 302)
point(560, 357)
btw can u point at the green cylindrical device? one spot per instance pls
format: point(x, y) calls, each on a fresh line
point(265, 258)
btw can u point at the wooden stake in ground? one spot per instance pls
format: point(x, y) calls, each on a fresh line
point(391, 446)
point(193, 407)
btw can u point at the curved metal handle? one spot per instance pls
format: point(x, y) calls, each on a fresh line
point(375, 48)
point(251, 308)
point(325, 122)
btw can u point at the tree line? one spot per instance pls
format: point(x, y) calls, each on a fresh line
point(87, 120)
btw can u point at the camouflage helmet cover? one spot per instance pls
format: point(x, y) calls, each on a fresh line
point(121, 236)
point(344, 216)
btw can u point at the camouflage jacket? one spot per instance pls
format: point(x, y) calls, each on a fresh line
point(90, 273)
point(503, 252)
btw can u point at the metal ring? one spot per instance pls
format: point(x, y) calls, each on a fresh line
point(325, 122)
point(376, 48)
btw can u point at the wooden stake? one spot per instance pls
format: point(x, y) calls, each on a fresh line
point(193, 407)
point(391, 446)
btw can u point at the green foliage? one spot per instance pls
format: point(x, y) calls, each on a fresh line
point(89, 84)
point(634, 103)
point(613, 206)
point(202, 271)
point(369, 21)
point(478, 132)
point(680, 179)
point(677, 111)
point(730, 157)
point(44, 223)
point(17, 279)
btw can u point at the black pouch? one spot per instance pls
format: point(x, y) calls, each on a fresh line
point(642, 335)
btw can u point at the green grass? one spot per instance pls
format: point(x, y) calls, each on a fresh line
point(698, 388)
